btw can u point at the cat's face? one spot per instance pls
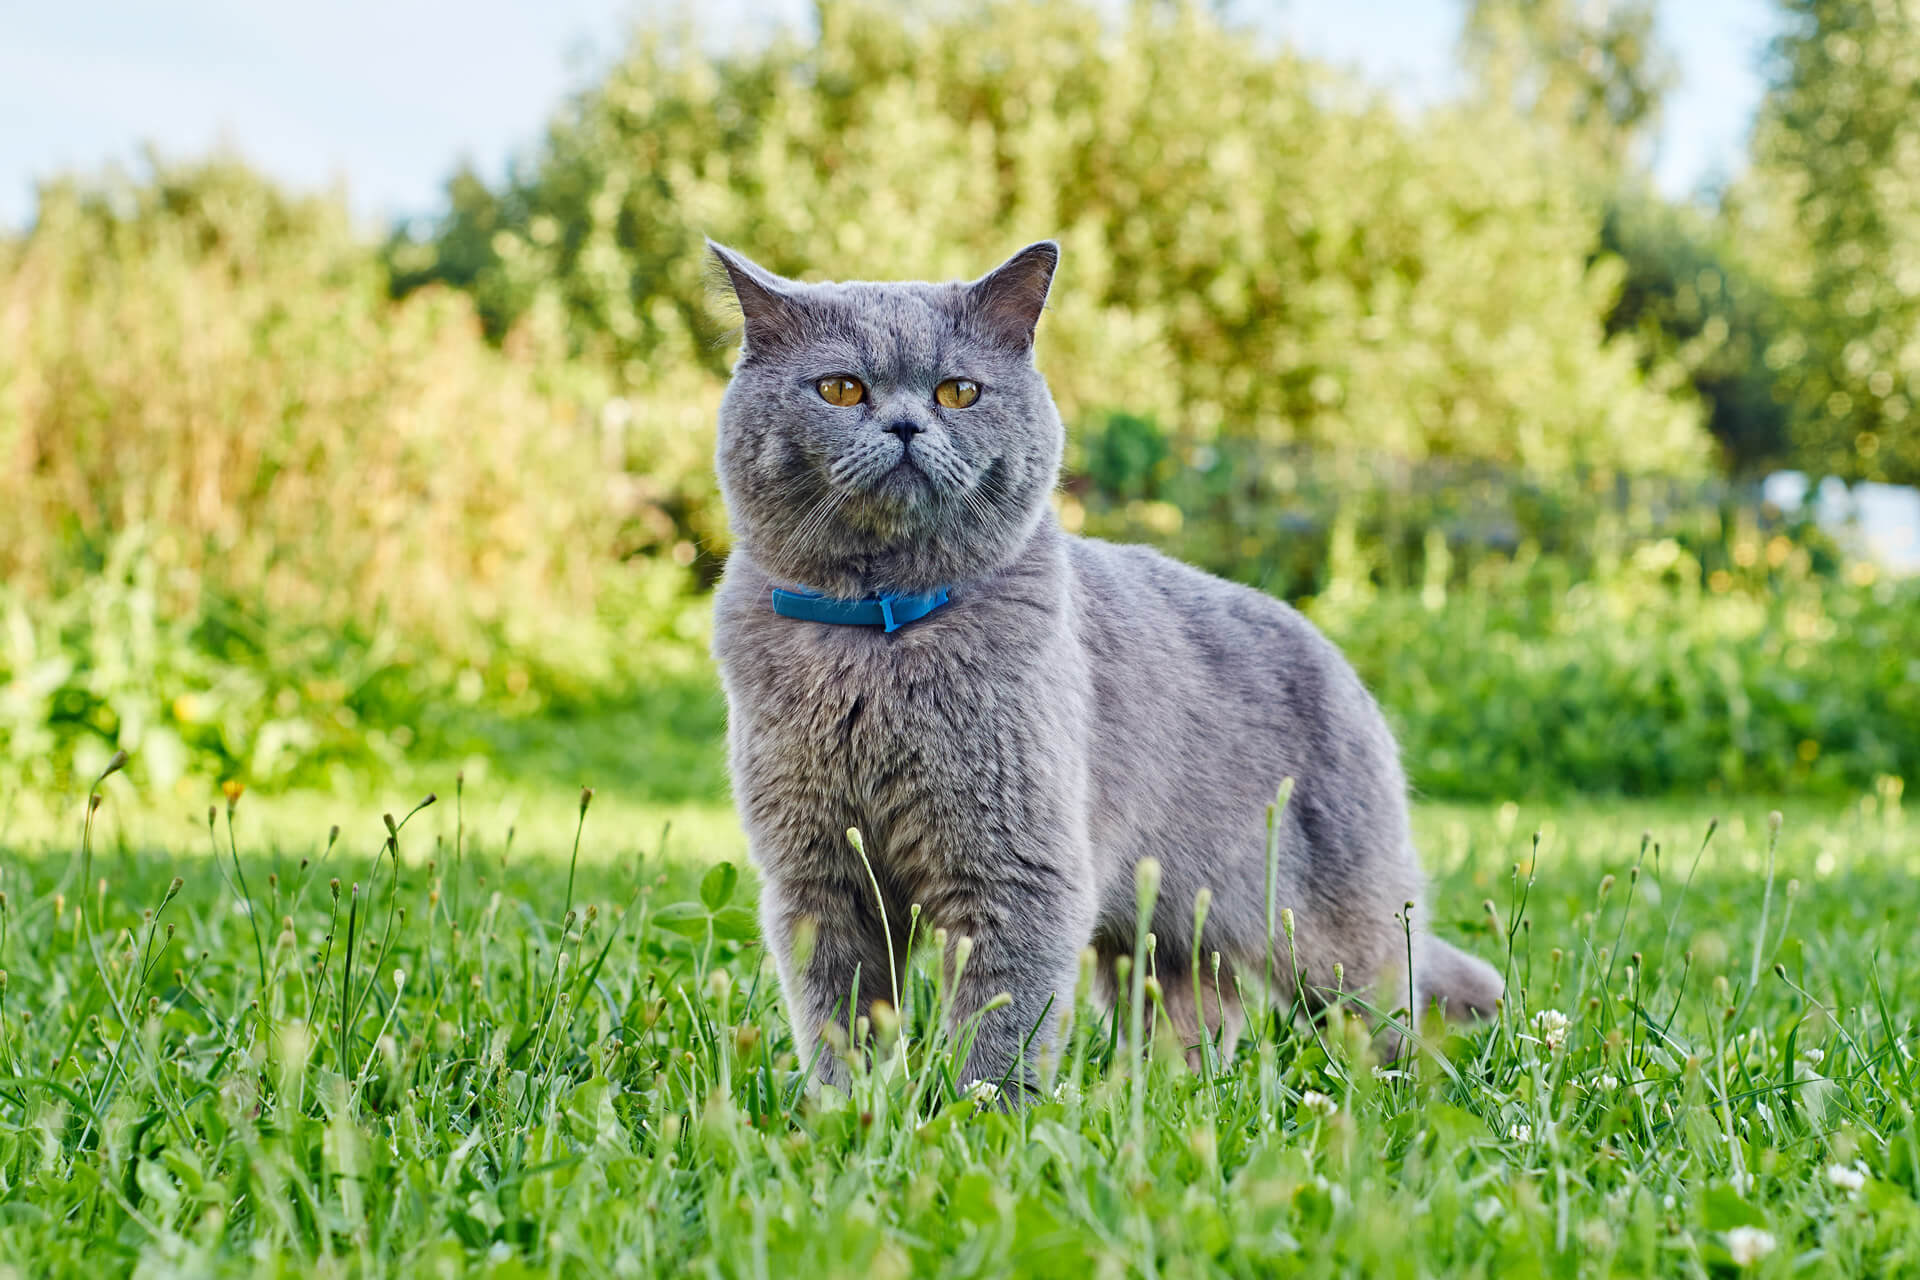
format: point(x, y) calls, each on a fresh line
point(887, 437)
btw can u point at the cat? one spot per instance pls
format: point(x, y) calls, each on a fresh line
point(1031, 714)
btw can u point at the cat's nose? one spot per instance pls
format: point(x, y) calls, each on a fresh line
point(906, 429)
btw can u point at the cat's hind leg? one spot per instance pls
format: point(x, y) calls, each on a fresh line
point(1466, 987)
point(1207, 1025)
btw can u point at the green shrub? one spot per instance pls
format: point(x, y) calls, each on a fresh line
point(1657, 678)
point(1832, 207)
point(1286, 519)
point(228, 690)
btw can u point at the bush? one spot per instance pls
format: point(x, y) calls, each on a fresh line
point(1659, 678)
point(215, 368)
point(231, 691)
point(1289, 519)
point(260, 519)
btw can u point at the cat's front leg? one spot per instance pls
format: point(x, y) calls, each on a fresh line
point(1023, 938)
point(827, 939)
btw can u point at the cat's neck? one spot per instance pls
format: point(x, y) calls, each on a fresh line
point(907, 573)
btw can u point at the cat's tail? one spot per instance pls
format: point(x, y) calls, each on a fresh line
point(1467, 987)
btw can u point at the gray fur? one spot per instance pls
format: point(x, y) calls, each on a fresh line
point(1077, 707)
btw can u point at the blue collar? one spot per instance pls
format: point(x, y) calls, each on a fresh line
point(889, 611)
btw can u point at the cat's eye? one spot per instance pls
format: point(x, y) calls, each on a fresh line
point(842, 391)
point(957, 393)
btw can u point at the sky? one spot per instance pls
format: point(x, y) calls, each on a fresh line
point(383, 97)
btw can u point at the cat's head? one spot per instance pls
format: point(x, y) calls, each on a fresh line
point(887, 437)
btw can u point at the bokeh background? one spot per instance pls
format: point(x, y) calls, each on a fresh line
point(1561, 358)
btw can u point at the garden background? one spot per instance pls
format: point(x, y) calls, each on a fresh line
point(290, 506)
point(310, 520)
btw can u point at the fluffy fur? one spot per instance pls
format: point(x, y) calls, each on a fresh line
point(1077, 707)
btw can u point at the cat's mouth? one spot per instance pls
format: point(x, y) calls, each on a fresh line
point(905, 478)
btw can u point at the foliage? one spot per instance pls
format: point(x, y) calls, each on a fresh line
point(1694, 297)
point(1593, 74)
point(229, 690)
point(1290, 520)
point(380, 1064)
point(1664, 676)
point(1834, 199)
point(1722, 657)
point(260, 520)
point(1253, 251)
point(214, 368)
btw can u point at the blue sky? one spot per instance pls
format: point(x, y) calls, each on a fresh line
point(383, 96)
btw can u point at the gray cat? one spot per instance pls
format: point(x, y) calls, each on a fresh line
point(1071, 708)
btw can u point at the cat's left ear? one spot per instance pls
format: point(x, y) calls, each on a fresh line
point(1007, 301)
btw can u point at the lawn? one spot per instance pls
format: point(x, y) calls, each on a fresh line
point(549, 1067)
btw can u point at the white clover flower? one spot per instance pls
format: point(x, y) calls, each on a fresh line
point(1748, 1245)
point(983, 1091)
point(1606, 1084)
point(1521, 1132)
point(1812, 1057)
point(1847, 1179)
point(1318, 1103)
point(1552, 1026)
point(1065, 1092)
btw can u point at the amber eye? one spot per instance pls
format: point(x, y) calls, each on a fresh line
point(842, 391)
point(957, 393)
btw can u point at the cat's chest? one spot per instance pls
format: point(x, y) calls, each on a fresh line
point(864, 701)
point(856, 703)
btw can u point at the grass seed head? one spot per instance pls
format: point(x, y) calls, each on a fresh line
point(1146, 882)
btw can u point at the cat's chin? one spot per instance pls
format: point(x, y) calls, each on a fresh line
point(904, 488)
point(901, 502)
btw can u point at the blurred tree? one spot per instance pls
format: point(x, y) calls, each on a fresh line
point(1589, 69)
point(1692, 298)
point(1254, 249)
point(1834, 204)
point(1592, 77)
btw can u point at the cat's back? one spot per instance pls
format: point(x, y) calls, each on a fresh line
point(1207, 693)
point(1141, 608)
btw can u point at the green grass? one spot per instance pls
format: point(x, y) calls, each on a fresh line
point(614, 1091)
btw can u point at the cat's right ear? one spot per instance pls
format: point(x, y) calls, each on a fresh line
point(771, 314)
